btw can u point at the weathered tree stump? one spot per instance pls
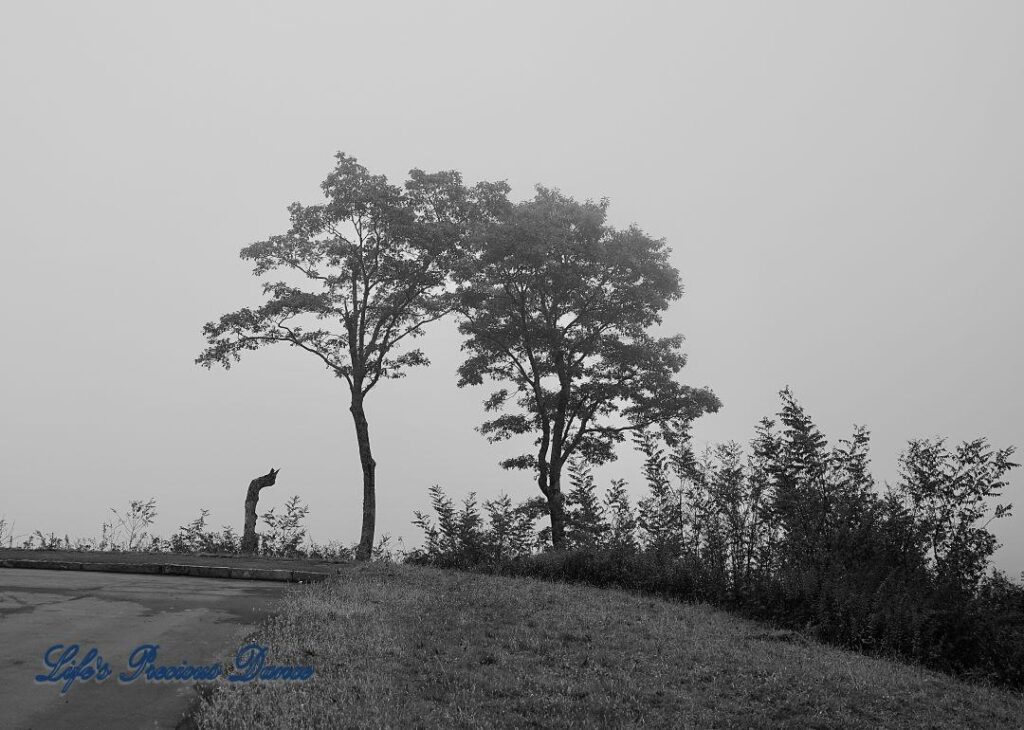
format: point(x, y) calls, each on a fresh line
point(249, 541)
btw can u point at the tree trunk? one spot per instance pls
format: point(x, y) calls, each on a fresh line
point(249, 542)
point(365, 549)
point(556, 508)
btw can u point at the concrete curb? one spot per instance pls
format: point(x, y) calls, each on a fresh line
point(194, 571)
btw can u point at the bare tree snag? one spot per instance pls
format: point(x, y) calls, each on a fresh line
point(251, 498)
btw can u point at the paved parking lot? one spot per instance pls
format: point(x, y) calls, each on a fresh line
point(193, 620)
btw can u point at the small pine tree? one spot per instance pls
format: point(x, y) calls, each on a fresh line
point(622, 522)
point(510, 532)
point(459, 537)
point(586, 525)
point(661, 512)
point(442, 538)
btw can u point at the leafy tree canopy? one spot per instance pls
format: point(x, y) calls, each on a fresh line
point(558, 305)
point(374, 260)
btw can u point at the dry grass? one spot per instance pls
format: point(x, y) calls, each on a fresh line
point(399, 646)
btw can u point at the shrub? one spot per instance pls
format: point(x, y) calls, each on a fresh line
point(286, 530)
point(794, 533)
point(195, 538)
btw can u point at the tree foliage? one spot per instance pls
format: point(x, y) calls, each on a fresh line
point(373, 263)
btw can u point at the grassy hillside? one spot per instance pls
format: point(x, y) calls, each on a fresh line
point(400, 646)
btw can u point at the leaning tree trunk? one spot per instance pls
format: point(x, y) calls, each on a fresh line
point(251, 498)
point(366, 461)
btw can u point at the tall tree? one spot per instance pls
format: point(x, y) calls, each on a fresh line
point(368, 268)
point(557, 306)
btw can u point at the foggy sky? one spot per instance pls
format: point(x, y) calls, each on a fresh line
point(840, 183)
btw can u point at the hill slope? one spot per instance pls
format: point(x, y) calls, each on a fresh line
point(400, 646)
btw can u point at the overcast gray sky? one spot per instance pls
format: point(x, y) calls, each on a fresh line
point(841, 184)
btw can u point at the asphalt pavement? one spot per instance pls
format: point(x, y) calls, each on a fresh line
point(193, 620)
